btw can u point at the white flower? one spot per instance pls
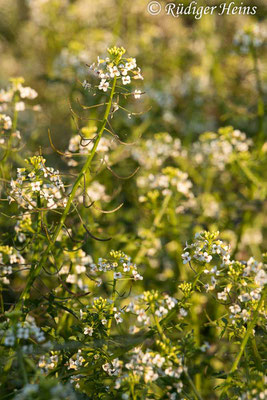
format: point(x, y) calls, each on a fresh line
point(255, 294)
point(186, 257)
point(158, 360)
point(5, 121)
point(235, 309)
point(71, 278)
point(88, 331)
point(207, 257)
point(137, 94)
point(118, 318)
point(133, 329)
point(80, 269)
point(86, 85)
point(244, 297)
point(222, 296)
point(36, 186)
point(103, 85)
point(20, 106)
point(126, 80)
point(126, 267)
point(105, 366)
point(113, 71)
point(137, 276)
point(161, 311)
point(117, 275)
point(27, 93)
point(9, 340)
point(261, 278)
point(183, 312)
point(205, 347)
point(245, 315)
point(141, 315)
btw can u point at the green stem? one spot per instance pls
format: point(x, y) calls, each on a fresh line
point(113, 297)
point(248, 333)
point(260, 94)
point(21, 365)
point(191, 383)
point(155, 224)
point(35, 270)
point(159, 327)
point(256, 354)
point(132, 391)
point(244, 342)
point(162, 210)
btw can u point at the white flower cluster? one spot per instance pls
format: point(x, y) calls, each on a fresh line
point(203, 250)
point(170, 180)
point(249, 37)
point(219, 148)
point(37, 182)
point(9, 257)
point(148, 305)
point(24, 330)
point(48, 362)
point(14, 94)
point(156, 150)
point(76, 361)
point(5, 122)
point(253, 277)
point(74, 265)
point(5, 125)
point(113, 368)
point(123, 68)
point(253, 394)
point(149, 366)
point(240, 283)
point(210, 252)
point(24, 92)
point(23, 226)
point(120, 264)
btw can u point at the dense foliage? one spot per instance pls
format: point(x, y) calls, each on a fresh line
point(133, 199)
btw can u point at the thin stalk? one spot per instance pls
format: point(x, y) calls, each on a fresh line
point(113, 297)
point(260, 94)
point(21, 365)
point(155, 224)
point(164, 339)
point(132, 391)
point(162, 210)
point(244, 341)
point(248, 333)
point(159, 327)
point(256, 354)
point(191, 383)
point(35, 270)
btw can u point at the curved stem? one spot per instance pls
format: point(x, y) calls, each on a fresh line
point(35, 270)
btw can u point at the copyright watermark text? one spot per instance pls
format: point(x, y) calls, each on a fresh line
point(177, 9)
